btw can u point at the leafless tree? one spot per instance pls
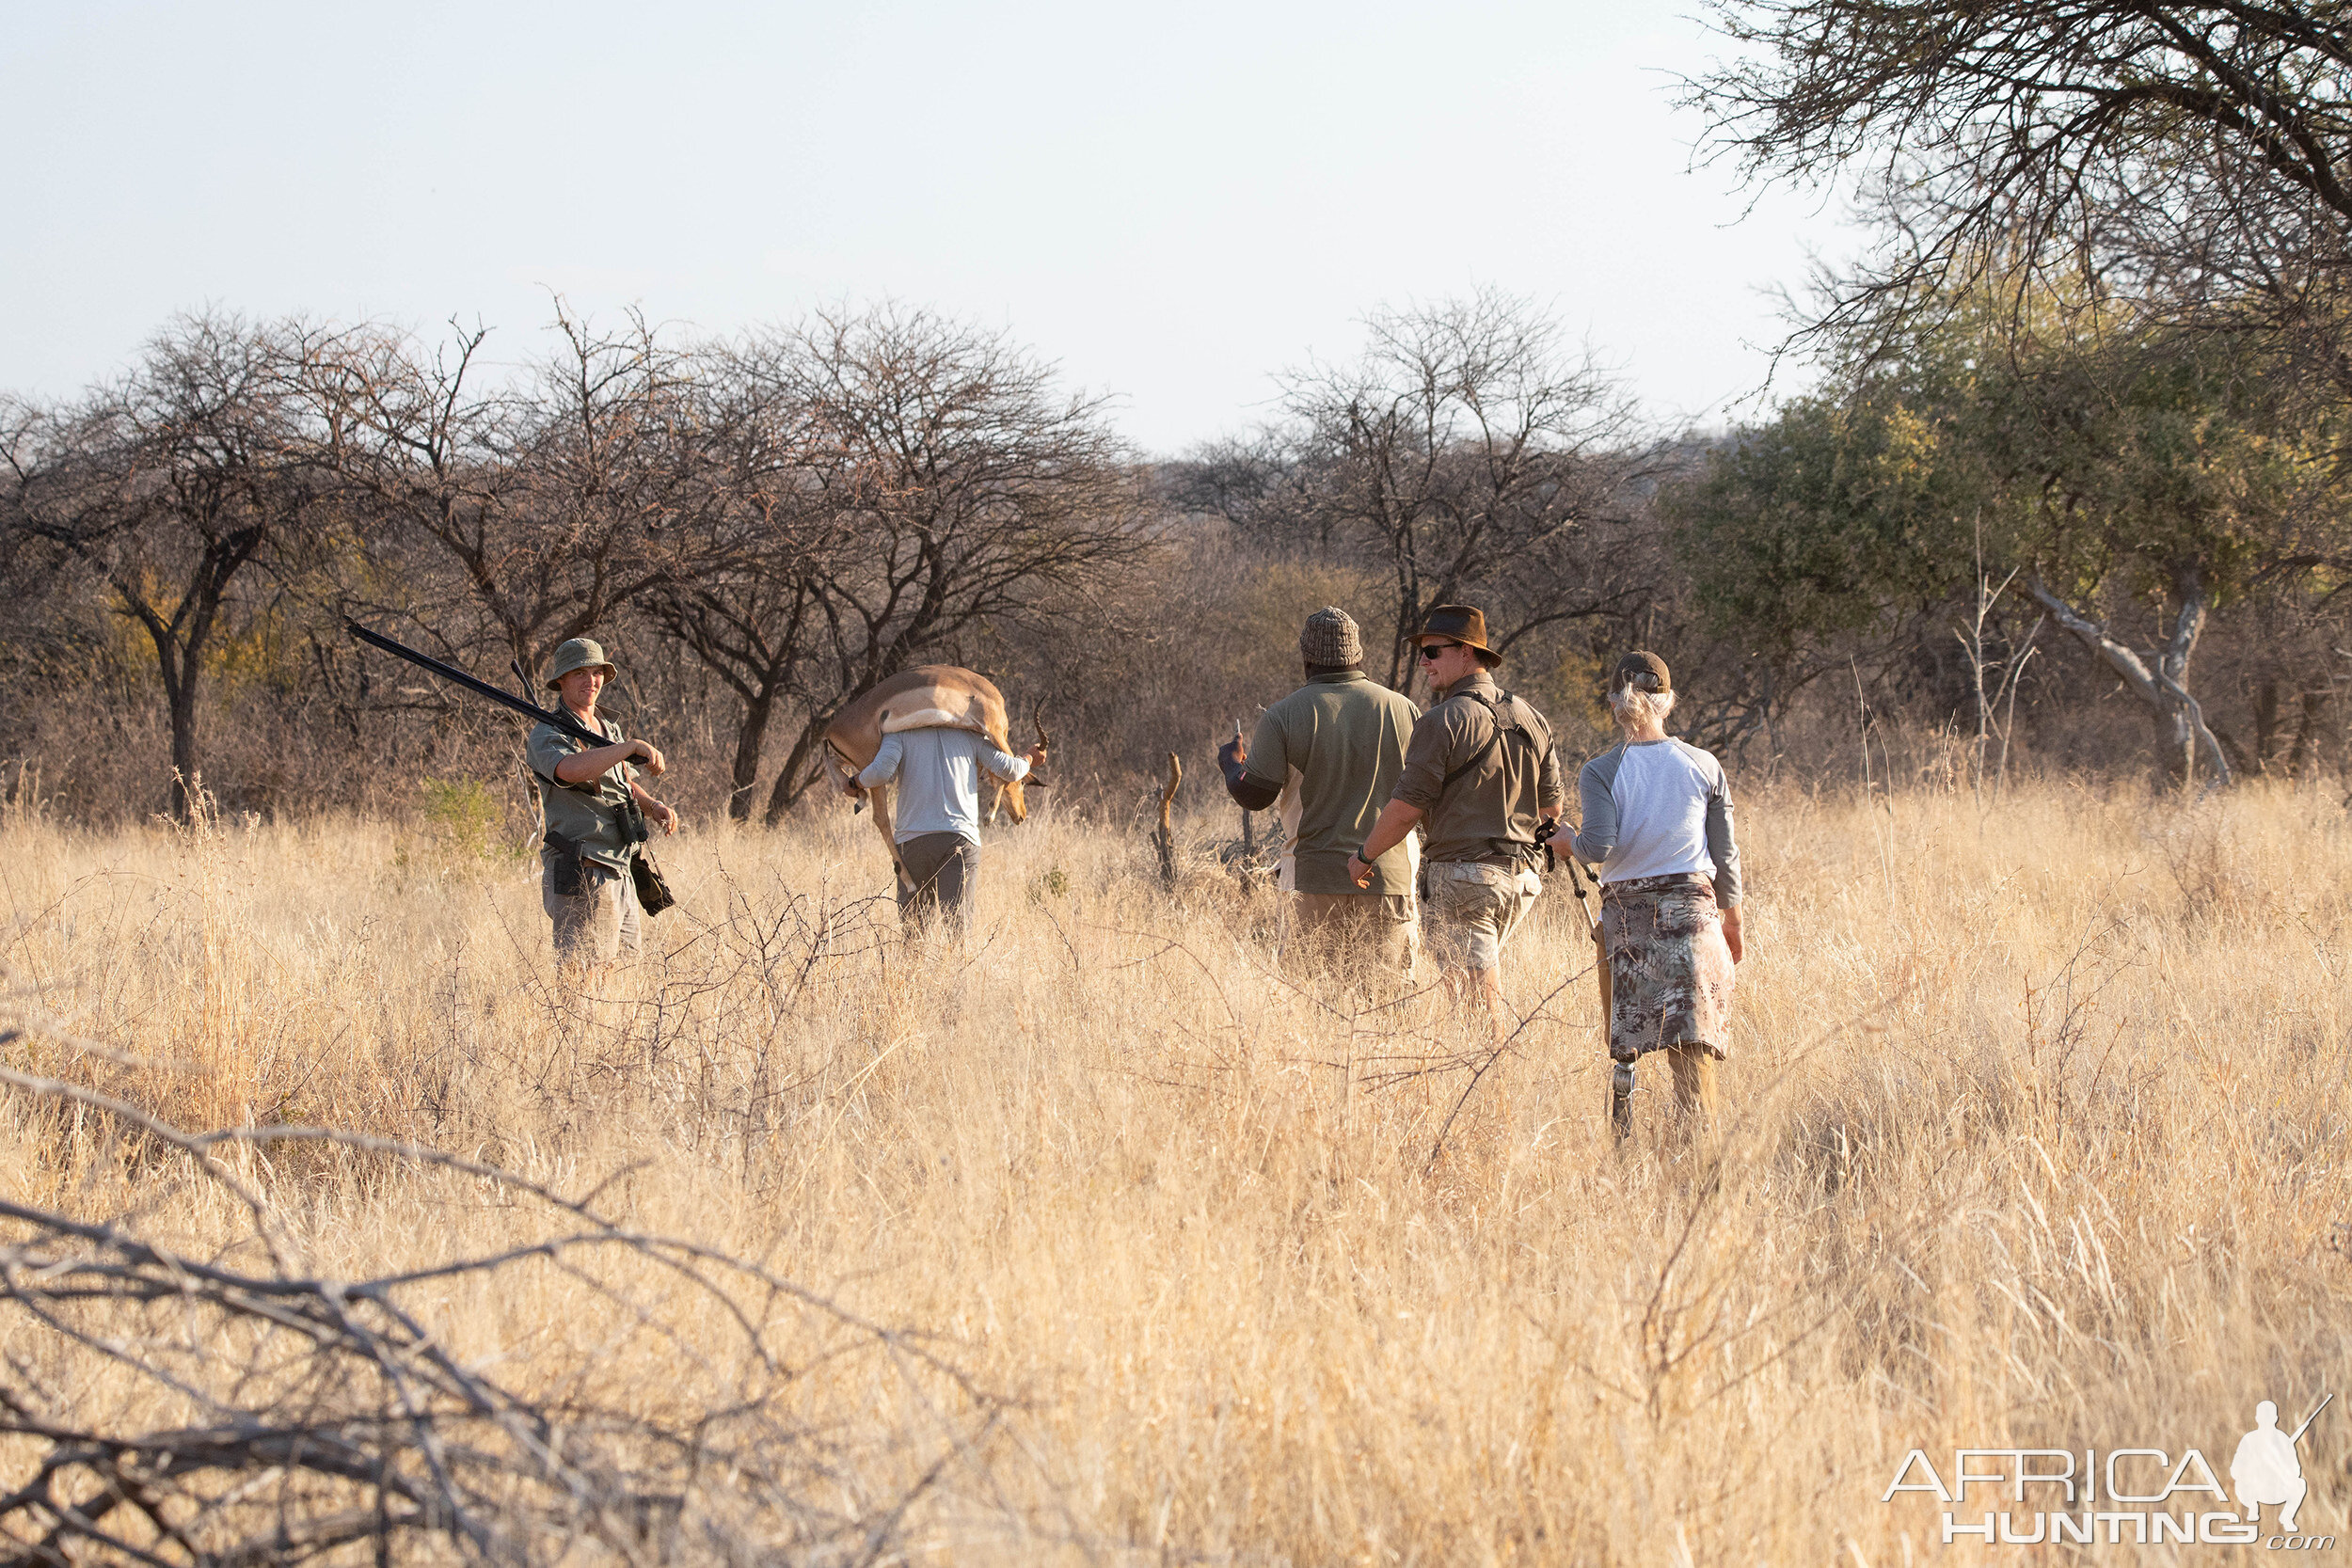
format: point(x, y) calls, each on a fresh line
point(559, 501)
point(1466, 454)
point(265, 1413)
point(952, 488)
point(172, 484)
point(750, 611)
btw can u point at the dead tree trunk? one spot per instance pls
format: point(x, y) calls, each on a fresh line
point(2159, 678)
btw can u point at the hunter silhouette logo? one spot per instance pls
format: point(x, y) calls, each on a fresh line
point(2138, 1497)
point(2267, 1470)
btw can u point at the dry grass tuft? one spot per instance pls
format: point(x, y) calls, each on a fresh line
point(2036, 1138)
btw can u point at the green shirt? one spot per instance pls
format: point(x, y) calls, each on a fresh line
point(590, 814)
point(1334, 747)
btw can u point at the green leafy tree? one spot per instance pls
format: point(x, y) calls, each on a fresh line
point(2166, 474)
point(1837, 521)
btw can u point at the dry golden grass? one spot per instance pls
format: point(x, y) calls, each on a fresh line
point(2035, 1136)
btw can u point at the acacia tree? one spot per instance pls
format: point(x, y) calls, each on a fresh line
point(559, 501)
point(1464, 454)
point(947, 488)
point(1828, 532)
point(749, 610)
point(174, 484)
point(2114, 475)
point(2171, 470)
point(2187, 158)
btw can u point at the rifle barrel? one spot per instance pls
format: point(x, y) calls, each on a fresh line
point(2310, 1418)
point(561, 721)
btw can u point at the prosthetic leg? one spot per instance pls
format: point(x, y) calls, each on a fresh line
point(1621, 1100)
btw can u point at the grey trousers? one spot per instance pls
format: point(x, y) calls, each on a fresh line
point(945, 871)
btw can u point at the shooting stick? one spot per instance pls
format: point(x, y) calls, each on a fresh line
point(1621, 1073)
point(1248, 829)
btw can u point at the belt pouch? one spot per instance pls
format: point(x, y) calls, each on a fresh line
point(571, 881)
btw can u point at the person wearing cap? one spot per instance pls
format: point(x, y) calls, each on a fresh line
point(584, 792)
point(1657, 823)
point(1479, 775)
point(1330, 755)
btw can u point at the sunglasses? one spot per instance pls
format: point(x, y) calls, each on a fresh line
point(1431, 650)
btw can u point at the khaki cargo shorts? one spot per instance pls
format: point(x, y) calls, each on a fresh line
point(1472, 909)
point(597, 924)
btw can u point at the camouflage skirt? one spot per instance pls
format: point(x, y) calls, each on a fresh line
point(1670, 973)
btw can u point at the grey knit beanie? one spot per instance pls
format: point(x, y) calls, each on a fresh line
point(1329, 636)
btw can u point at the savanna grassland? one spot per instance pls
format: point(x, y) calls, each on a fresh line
point(1110, 1236)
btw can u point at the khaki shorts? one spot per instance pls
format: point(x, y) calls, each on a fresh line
point(1472, 909)
point(596, 925)
point(1361, 927)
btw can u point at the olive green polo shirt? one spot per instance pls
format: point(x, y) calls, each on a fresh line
point(590, 814)
point(1334, 747)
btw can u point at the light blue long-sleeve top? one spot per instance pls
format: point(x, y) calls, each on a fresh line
point(1658, 808)
point(938, 771)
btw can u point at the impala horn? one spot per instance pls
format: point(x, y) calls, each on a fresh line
point(1037, 717)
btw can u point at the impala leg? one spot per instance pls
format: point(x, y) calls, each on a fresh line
point(880, 796)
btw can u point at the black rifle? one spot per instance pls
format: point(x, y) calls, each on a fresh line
point(632, 818)
point(524, 705)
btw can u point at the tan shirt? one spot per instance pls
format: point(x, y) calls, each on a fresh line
point(588, 814)
point(1501, 794)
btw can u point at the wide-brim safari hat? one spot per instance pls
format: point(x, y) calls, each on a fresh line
point(1457, 622)
point(580, 653)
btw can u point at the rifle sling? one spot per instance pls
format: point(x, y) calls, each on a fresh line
point(1505, 847)
point(1492, 741)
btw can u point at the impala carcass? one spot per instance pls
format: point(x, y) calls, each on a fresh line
point(924, 697)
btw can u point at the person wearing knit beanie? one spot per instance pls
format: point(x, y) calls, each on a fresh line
point(1328, 755)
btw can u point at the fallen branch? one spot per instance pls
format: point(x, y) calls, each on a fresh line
point(268, 1414)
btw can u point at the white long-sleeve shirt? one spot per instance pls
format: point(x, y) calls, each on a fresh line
point(938, 771)
point(1658, 808)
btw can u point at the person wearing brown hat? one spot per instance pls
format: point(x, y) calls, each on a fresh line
point(586, 843)
point(1330, 755)
point(1657, 823)
point(1479, 775)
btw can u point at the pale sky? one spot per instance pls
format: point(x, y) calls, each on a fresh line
point(1172, 203)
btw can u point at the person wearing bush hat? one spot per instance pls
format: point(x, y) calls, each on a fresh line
point(1328, 755)
point(585, 882)
point(1480, 775)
